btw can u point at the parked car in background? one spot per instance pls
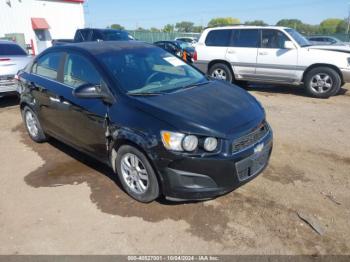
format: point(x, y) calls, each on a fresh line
point(163, 126)
point(191, 40)
point(272, 54)
point(95, 34)
point(178, 48)
point(326, 40)
point(12, 59)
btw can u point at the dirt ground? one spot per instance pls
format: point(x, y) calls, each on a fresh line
point(54, 200)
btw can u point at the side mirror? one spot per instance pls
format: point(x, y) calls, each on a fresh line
point(289, 45)
point(94, 91)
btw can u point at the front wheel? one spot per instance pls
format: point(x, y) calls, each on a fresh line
point(322, 82)
point(136, 174)
point(221, 72)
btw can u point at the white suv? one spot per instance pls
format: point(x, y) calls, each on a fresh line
point(272, 55)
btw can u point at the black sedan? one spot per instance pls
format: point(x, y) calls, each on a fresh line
point(179, 48)
point(161, 125)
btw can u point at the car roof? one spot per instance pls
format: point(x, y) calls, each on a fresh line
point(8, 42)
point(97, 48)
point(246, 27)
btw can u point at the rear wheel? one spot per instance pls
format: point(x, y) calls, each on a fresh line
point(136, 174)
point(221, 71)
point(322, 82)
point(33, 126)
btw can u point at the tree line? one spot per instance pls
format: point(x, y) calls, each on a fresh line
point(327, 26)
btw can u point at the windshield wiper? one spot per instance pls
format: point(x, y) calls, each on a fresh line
point(145, 93)
point(195, 85)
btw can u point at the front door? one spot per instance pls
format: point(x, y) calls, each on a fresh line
point(275, 63)
point(82, 120)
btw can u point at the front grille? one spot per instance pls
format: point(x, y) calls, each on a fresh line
point(250, 139)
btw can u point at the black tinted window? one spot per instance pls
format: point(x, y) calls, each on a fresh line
point(83, 35)
point(11, 49)
point(245, 38)
point(273, 39)
point(78, 71)
point(47, 65)
point(218, 38)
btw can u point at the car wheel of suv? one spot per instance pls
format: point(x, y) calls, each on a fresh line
point(322, 82)
point(33, 126)
point(136, 174)
point(221, 72)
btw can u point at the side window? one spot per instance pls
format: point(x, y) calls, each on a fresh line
point(246, 38)
point(273, 39)
point(83, 35)
point(78, 71)
point(47, 65)
point(96, 35)
point(218, 37)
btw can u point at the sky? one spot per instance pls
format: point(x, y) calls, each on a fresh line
point(156, 13)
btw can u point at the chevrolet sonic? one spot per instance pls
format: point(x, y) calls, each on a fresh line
point(161, 125)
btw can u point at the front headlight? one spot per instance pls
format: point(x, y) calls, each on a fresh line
point(210, 144)
point(190, 143)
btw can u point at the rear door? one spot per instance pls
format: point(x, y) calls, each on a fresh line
point(275, 63)
point(242, 53)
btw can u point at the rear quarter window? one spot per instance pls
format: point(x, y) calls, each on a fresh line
point(11, 49)
point(218, 37)
point(47, 65)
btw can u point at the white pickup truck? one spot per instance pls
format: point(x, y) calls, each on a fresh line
point(272, 54)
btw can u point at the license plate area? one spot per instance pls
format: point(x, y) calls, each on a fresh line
point(252, 165)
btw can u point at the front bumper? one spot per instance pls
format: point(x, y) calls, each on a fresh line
point(346, 75)
point(198, 178)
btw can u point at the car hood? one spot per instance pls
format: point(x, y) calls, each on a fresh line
point(217, 109)
point(336, 48)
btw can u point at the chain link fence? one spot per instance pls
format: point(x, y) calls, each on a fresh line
point(151, 37)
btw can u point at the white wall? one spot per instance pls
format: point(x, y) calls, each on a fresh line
point(63, 17)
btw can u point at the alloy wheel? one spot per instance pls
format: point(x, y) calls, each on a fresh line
point(32, 124)
point(321, 83)
point(134, 173)
point(219, 74)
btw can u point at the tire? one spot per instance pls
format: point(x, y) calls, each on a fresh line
point(322, 82)
point(221, 71)
point(141, 189)
point(32, 125)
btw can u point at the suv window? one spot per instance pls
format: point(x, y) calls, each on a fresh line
point(11, 49)
point(218, 37)
point(78, 71)
point(246, 38)
point(47, 65)
point(273, 39)
point(83, 35)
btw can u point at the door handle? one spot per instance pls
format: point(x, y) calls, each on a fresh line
point(231, 52)
point(263, 53)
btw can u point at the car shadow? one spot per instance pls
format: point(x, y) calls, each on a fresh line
point(8, 101)
point(284, 89)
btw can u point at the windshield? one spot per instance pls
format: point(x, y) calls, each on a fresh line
point(299, 38)
point(184, 45)
point(115, 35)
point(149, 70)
point(11, 49)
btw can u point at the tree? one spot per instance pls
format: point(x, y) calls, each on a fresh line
point(220, 21)
point(141, 29)
point(256, 22)
point(117, 26)
point(153, 29)
point(168, 28)
point(197, 29)
point(292, 23)
point(342, 26)
point(184, 26)
point(330, 25)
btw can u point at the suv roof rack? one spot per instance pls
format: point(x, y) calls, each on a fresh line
point(226, 25)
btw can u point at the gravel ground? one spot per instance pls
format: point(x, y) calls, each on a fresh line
point(54, 200)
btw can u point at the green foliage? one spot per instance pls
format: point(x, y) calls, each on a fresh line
point(342, 26)
point(256, 22)
point(117, 26)
point(221, 21)
point(303, 28)
point(153, 29)
point(184, 26)
point(330, 25)
point(141, 29)
point(168, 28)
point(197, 29)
